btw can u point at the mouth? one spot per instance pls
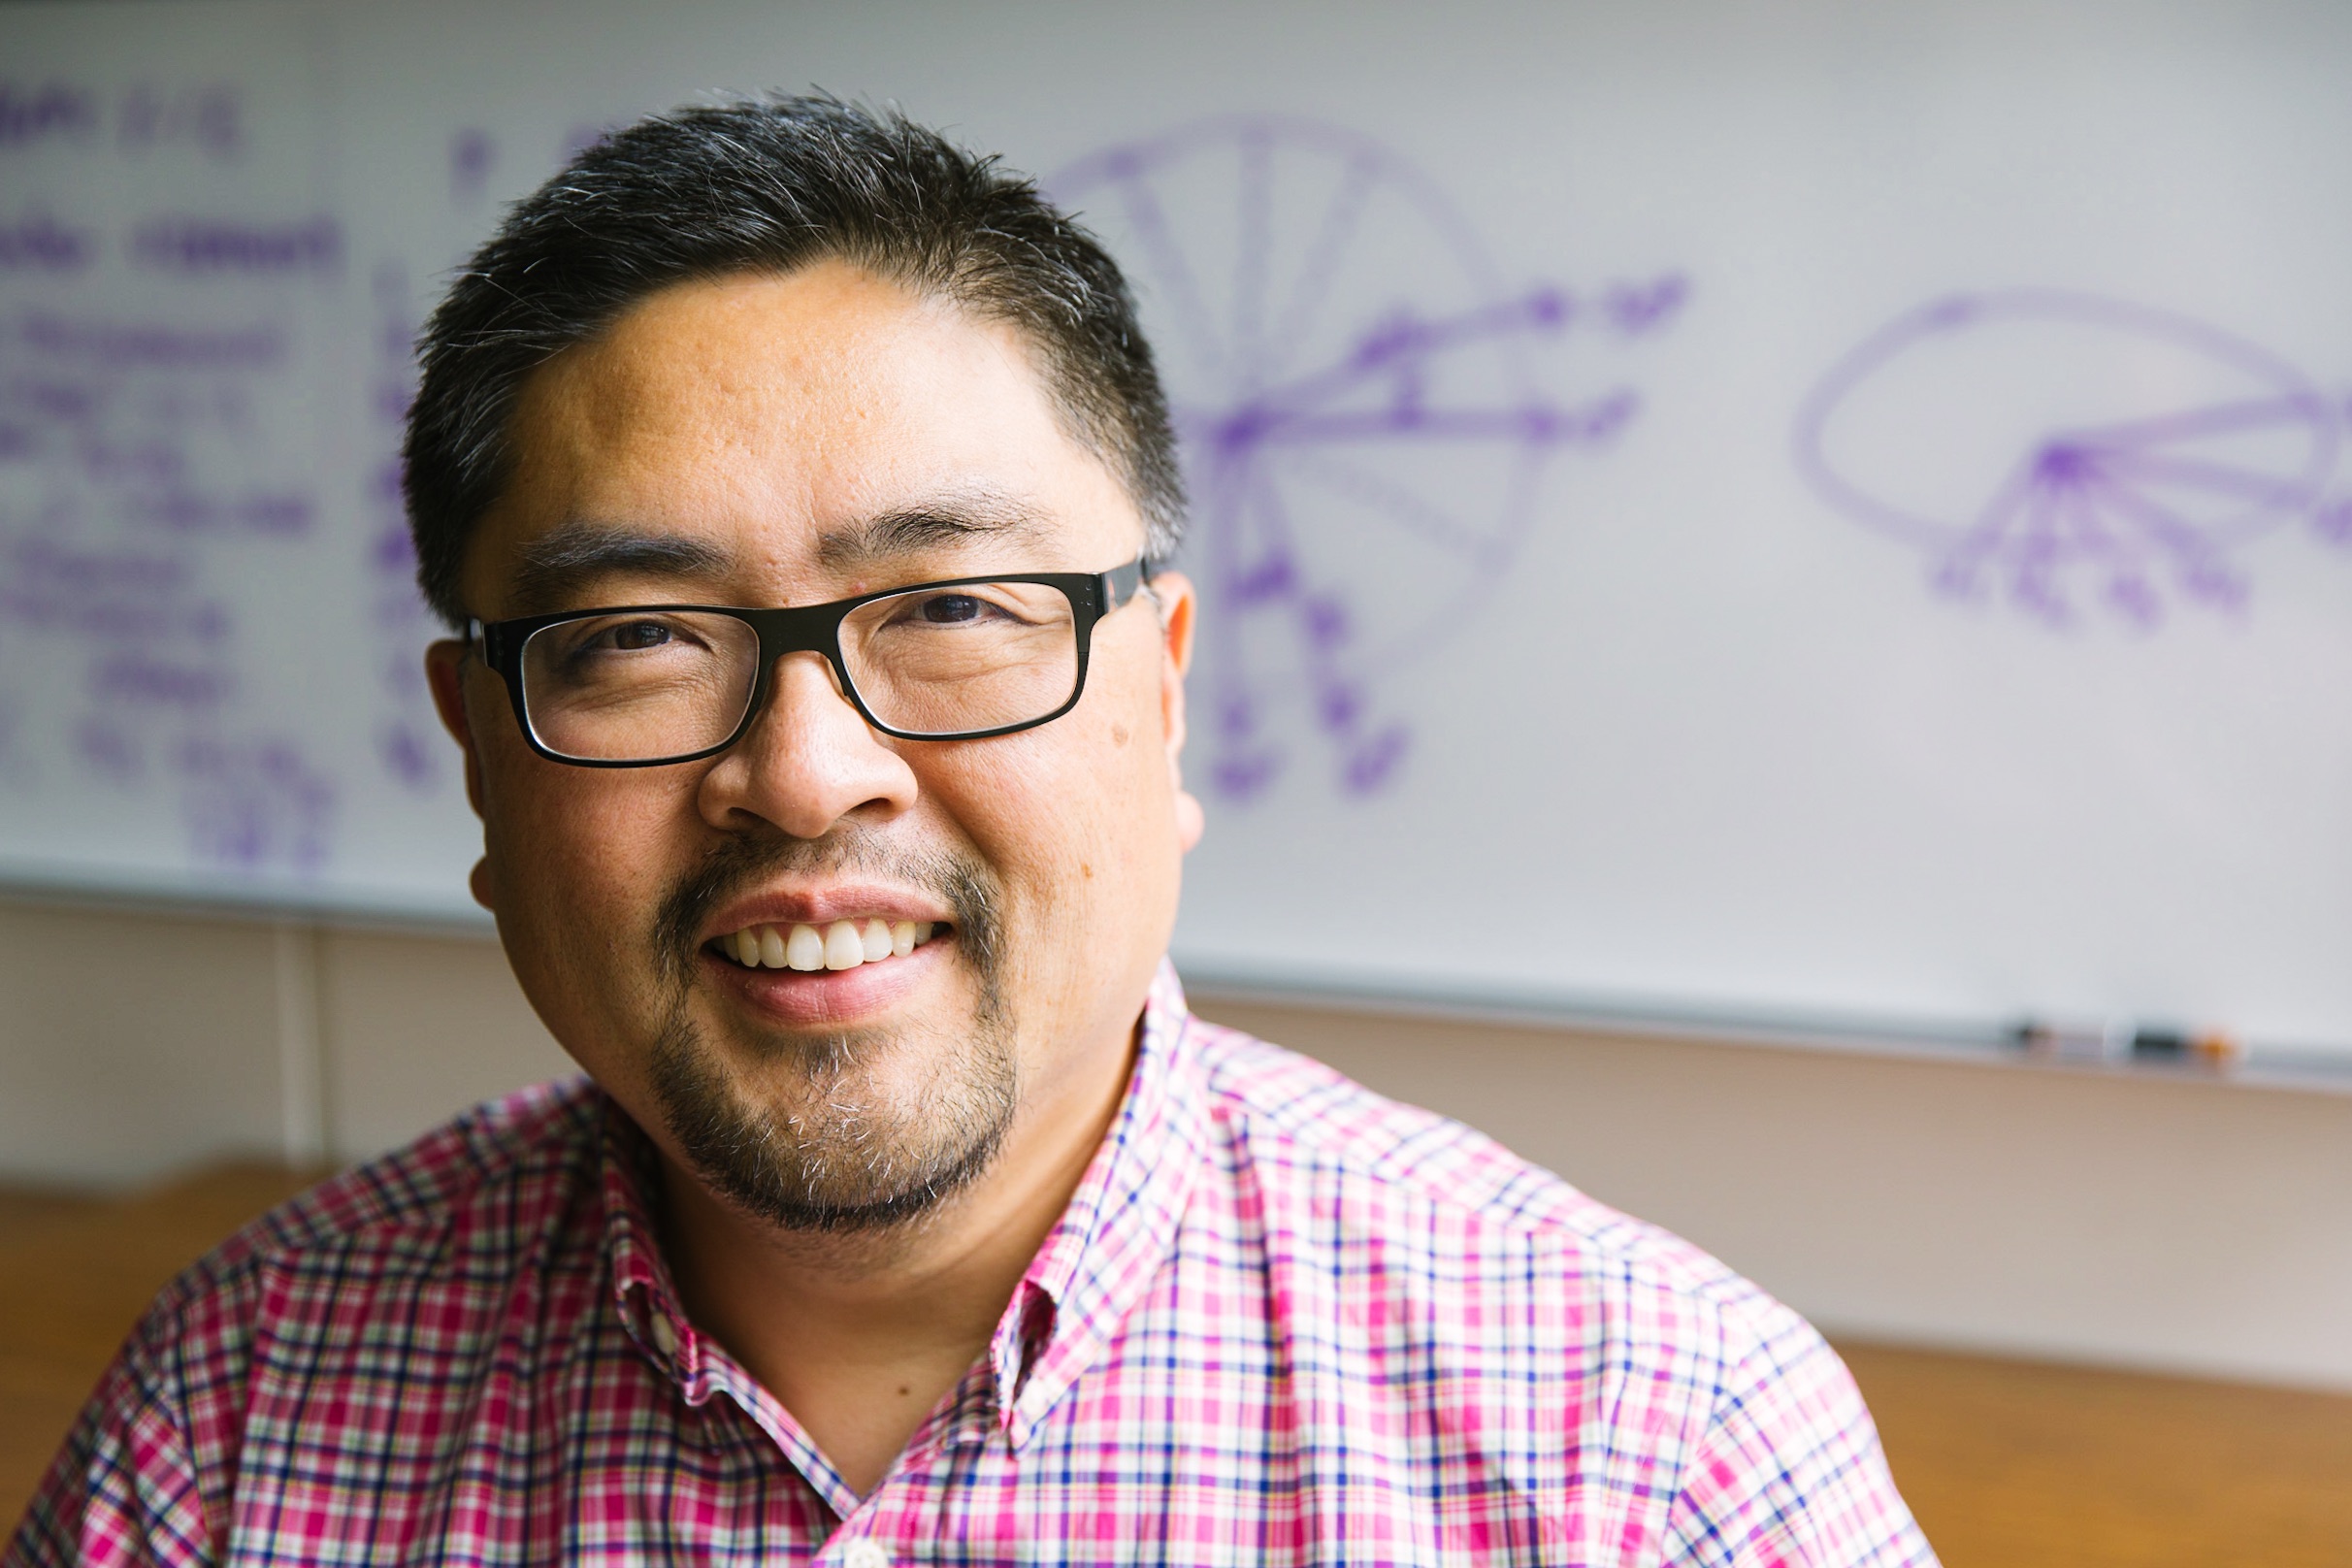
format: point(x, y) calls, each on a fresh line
point(849, 943)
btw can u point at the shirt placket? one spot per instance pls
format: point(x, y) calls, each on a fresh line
point(916, 1515)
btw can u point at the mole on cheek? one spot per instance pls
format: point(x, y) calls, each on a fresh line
point(1118, 734)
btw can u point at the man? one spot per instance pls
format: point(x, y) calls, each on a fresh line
point(905, 1214)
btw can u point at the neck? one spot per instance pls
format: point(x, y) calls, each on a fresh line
point(860, 1335)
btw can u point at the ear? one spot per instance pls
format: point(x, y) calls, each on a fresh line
point(447, 663)
point(1177, 600)
point(446, 666)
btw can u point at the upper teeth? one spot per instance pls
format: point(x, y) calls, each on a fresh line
point(842, 945)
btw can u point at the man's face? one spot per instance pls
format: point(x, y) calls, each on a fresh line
point(762, 440)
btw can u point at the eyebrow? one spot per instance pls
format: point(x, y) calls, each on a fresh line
point(559, 564)
point(951, 521)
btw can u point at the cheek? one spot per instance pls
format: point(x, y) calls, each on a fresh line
point(581, 859)
point(578, 835)
point(1075, 818)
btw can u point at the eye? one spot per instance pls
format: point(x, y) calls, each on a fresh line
point(948, 608)
point(632, 636)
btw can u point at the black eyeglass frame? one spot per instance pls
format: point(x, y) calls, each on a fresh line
point(811, 629)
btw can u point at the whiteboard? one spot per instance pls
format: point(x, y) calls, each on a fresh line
point(1820, 511)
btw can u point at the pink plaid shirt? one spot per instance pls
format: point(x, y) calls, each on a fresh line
point(1283, 1320)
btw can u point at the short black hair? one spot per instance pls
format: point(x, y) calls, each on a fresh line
point(769, 185)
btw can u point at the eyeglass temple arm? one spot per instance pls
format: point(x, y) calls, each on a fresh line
point(482, 640)
point(1120, 583)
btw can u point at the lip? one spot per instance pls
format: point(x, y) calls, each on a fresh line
point(829, 997)
point(821, 906)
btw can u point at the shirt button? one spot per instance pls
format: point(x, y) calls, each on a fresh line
point(865, 1552)
point(663, 1336)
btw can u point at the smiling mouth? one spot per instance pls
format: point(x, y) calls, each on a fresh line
point(840, 944)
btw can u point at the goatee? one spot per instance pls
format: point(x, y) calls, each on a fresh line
point(825, 1142)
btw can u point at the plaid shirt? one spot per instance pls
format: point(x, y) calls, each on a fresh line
point(1283, 1320)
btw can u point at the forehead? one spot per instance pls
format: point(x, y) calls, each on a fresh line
point(767, 415)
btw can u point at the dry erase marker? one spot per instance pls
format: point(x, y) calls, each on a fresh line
point(2119, 1039)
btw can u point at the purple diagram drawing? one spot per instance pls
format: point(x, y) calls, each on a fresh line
point(1365, 428)
point(2065, 450)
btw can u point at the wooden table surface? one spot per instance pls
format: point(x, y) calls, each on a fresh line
point(2008, 1464)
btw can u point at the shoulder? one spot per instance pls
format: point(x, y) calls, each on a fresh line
point(1695, 1401)
point(508, 1164)
point(1484, 1245)
point(345, 1286)
point(446, 1217)
point(1306, 1122)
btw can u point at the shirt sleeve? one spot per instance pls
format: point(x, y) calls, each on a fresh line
point(122, 1491)
point(1790, 1473)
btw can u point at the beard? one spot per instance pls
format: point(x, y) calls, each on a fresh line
point(818, 1135)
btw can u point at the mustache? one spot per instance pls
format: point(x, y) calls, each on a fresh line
point(743, 861)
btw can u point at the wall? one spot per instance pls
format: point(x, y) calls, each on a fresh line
point(133, 1044)
point(2176, 1226)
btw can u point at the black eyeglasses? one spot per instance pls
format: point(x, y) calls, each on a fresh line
point(648, 684)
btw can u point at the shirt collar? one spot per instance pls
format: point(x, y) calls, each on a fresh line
point(642, 1291)
point(1121, 1223)
point(646, 1298)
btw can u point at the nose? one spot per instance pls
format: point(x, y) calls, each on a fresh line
point(807, 761)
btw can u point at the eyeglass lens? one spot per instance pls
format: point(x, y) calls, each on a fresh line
point(640, 685)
